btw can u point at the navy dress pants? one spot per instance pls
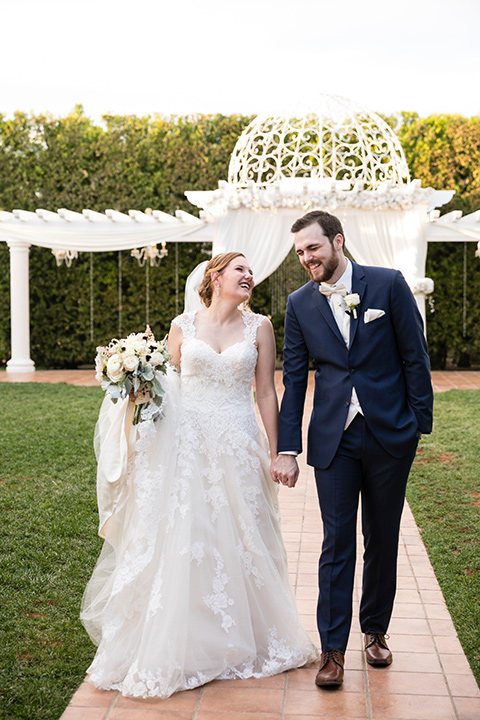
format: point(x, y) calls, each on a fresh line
point(361, 467)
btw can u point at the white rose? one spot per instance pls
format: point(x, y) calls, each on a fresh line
point(352, 299)
point(156, 358)
point(351, 302)
point(130, 362)
point(424, 285)
point(115, 368)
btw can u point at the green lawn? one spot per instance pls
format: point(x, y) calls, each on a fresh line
point(48, 541)
point(48, 544)
point(444, 495)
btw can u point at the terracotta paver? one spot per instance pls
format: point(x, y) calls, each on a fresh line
point(72, 377)
point(429, 679)
point(442, 380)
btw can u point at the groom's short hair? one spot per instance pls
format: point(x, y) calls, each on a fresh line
point(330, 224)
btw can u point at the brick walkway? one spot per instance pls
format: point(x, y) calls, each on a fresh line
point(430, 677)
point(442, 380)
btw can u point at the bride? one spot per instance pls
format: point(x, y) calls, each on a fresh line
point(192, 583)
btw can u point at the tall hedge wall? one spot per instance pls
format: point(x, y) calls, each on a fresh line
point(130, 162)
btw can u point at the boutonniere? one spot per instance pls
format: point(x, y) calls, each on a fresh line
point(351, 303)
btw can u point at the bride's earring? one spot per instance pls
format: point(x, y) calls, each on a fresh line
point(217, 290)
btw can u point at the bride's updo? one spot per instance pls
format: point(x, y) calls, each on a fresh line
point(216, 264)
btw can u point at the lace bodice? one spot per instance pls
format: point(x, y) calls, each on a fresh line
point(218, 379)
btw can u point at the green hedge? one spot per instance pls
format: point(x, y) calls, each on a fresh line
point(130, 162)
point(444, 152)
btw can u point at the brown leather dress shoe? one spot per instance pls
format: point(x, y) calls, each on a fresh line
point(330, 673)
point(376, 650)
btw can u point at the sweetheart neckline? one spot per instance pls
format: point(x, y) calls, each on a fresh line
point(240, 342)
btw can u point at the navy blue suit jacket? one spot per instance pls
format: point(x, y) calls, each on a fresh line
point(387, 362)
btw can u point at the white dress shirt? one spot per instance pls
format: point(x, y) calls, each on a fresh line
point(342, 318)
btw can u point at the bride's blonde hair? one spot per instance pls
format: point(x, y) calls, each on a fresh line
point(216, 264)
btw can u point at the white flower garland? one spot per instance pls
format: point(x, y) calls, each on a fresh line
point(307, 196)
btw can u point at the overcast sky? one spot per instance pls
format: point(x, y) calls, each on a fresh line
point(238, 56)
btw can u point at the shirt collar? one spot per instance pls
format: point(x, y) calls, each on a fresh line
point(346, 278)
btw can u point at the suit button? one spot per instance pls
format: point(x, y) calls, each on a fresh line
point(347, 404)
point(352, 370)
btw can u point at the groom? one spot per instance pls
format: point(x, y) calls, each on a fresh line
point(373, 399)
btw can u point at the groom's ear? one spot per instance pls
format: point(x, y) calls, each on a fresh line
point(339, 241)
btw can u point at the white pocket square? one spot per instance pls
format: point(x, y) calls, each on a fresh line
point(372, 314)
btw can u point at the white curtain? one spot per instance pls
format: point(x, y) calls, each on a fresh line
point(263, 236)
point(389, 238)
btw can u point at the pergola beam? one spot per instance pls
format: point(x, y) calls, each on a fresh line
point(91, 231)
point(454, 227)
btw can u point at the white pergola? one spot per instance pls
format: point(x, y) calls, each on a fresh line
point(67, 233)
point(337, 156)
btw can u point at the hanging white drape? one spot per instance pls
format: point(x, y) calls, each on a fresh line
point(263, 236)
point(389, 238)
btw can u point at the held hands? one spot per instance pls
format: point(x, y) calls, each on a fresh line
point(284, 470)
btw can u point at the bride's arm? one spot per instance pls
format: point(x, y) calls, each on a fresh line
point(265, 385)
point(175, 339)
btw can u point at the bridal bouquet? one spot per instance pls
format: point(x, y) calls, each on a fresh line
point(134, 366)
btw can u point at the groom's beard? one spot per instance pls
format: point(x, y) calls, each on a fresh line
point(325, 271)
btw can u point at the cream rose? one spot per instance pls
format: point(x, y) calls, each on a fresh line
point(156, 358)
point(130, 363)
point(352, 299)
point(115, 369)
point(351, 303)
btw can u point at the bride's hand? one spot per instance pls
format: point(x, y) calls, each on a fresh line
point(272, 472)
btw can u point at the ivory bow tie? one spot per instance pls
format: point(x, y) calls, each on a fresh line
point(328, 290)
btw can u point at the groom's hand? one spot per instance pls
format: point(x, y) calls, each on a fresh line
point(285, 470)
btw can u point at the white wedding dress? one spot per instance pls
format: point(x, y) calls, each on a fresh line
point(192, 583)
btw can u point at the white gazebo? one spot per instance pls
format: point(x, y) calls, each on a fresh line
point(334, 155)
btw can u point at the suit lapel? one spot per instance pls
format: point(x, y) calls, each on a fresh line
point(358, 286)
point(321, 302)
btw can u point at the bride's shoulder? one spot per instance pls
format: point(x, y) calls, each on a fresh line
point(256, 325)
point(184, 320)
point(256, 319)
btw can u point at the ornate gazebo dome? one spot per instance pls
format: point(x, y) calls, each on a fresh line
point(336, 139)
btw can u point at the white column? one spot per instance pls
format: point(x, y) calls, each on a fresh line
point(20, 361)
